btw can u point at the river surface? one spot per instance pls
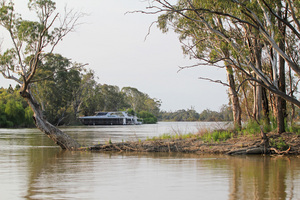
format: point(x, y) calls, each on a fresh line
point(31, 167)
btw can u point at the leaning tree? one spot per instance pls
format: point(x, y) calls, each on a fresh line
point(31, 42)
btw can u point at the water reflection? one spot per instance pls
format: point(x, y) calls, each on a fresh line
point(32, 168)
point(265, 178)
point(83, 175)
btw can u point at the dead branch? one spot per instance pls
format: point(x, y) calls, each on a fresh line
point(281, 152)
point(214, 81)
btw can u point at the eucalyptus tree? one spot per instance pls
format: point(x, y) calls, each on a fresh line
point(248, 30)
point(113, 99)
point(140, 101)
point(58, 88)
point(31, 41)
point(83, 92)
point(204, 45)
point(135, 98)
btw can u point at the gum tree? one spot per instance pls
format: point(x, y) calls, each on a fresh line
point(31, 41)
point(255, 34)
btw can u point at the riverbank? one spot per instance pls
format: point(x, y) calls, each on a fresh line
point(286, 143)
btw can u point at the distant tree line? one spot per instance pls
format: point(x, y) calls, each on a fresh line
point(225, 114)
point(67, 90)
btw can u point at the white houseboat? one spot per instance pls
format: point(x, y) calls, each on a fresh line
point(110, 118)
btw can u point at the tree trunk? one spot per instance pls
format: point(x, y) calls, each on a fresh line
point(236, 109)
point(265, 106)
point(258, 88)
point(59, 137)
point(281, 103)
point(292, 95)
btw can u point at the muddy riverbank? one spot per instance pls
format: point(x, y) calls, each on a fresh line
point(284, 144)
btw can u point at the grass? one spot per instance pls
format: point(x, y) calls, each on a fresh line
point(109, 141)
point(217, 136)
point(253, 128)
point(279, 143)
point(250, 129)
point(173, 136)
point(293, 129)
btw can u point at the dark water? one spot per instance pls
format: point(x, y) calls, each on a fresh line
point(31, 167)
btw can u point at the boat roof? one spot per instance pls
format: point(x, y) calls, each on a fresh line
point(113, 114)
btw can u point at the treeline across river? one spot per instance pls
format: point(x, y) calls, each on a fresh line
point(225, 114)
point(69, 91)
point(66, 90)
point(15, 112)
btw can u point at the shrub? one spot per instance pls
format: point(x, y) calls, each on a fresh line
point(147, 117)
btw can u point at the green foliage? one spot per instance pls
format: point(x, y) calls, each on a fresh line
point(148, 118)
point(14, 111)
point(251, 128)
point(225, 114)
point(279, 143)
point(130, 111)
point(222, 32)
point(294, 128)
point(140, 101)
point(217, 136)
point(56, 94)
point(69, 90)
point(175, 136)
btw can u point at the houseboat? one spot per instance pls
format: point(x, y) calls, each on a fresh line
point(111, 118)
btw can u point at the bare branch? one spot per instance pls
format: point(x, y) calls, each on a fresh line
point(214, 81)
point(293, 14)
point(11, 77)
point(149, 30)
point(283, 20)
point(244, 81)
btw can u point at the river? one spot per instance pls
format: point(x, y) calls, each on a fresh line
point(31, 167)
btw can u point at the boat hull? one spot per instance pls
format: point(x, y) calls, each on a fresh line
point(113, 121)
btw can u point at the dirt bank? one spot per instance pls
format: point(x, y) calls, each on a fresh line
point(286, 143)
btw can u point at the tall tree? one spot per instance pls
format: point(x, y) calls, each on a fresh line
point(205, 46)
point(60, 80)
point(140, 101)
point(29, 39)
point(250, 32)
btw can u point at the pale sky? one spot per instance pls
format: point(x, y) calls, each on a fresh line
point(113, 45)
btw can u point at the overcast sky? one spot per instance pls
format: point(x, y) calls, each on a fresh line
point(113, 45)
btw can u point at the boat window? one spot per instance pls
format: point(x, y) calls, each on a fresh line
point(101, 113)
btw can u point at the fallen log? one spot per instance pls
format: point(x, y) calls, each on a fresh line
point(248, 151)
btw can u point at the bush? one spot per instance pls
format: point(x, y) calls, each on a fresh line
point(14, 111)
point(147, 117)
